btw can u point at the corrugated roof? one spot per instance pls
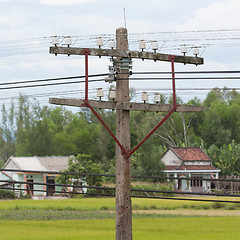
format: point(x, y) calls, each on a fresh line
point(58, 163)
point(28, 163)
point(191, 154)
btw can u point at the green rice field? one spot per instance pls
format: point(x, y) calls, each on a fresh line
point(95, 204)
point(194, 228)
point(93, 218)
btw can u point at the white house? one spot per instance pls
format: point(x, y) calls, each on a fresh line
point(4, 177)
point(34, 165)
point(191, 163)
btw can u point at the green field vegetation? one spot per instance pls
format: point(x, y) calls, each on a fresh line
point(107, 204)
point(93, 218)
point(99, 208)
point(194, 228)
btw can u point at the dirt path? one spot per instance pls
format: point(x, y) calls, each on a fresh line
point(191, 212)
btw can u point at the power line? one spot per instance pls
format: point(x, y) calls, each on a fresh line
point(190, 72)
point(10, 182)
point(181, 78)
point(155, 178)
point(49, 84)
point(53, 79)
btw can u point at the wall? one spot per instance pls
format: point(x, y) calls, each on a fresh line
point(170, 159)
point(197, 162)
point(36, 178)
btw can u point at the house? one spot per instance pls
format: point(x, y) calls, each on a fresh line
point(4, 178)
point(34, 166)
point(191, 163)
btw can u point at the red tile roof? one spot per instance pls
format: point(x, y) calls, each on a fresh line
point(191, 154)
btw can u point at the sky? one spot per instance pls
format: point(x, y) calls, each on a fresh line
point(26, 27)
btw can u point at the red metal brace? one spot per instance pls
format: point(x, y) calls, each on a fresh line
point(86, 104)
point(174, 107)
point(125, 152)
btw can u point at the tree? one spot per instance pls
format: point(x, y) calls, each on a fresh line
point(7, 145)
point(226, 158)
point(83, 163)
point(213, 131)
point(221, 120)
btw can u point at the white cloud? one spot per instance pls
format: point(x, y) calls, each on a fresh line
point(12, 20)
point(65, 2)
point(223, 14)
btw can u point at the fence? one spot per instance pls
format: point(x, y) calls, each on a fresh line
point(46, 186)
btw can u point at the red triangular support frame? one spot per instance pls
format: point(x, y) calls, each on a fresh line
point(127, 153)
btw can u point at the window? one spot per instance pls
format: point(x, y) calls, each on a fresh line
point(196, 181)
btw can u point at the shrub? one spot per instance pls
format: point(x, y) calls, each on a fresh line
point(24, 196)
point(205, 206)
point(232, 206)
point(104, 208)
point(218, 205)
point(165, 187)
point(7, 194)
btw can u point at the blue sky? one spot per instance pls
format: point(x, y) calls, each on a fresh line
point(26, 27)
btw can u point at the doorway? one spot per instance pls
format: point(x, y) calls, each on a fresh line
point(30, 187)
point(50, 188)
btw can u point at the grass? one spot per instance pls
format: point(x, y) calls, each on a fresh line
point(86, 204)
point(48, 215)
point(221, 228)
point(106, 204)
point(93, 218)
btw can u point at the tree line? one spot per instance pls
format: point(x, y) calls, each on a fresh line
point(29, 129)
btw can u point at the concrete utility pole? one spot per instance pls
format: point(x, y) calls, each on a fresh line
point(123, 106)
point(123, 163)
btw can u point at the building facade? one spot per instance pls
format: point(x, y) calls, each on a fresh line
point(34, 166)
point(192, 166)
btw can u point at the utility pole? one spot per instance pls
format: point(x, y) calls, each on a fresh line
point(123, 163)
point(123, 106)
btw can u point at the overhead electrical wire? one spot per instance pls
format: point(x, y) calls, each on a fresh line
point(232, 180)
point(191, 72)
point(39, 46)
point(53, 79)
point(179, 78)
point(32, 83)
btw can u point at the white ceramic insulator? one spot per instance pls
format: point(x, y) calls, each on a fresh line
point(100, 92)
point(55, 40)
point(68, 41)
point(156, 97)
point(99, 42)
point(184, 49)
point(154, 45)
point(112, 94)
point(144, 96)
point(111, 43)
point(142, 44)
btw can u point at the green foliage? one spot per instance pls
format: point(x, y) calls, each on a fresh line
point(221, 122)
point(226, 158)
point(1, 163)
point(165, 187)
point(29, 129)
point(213, 131)
point(7, 194)
point(83, 163)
